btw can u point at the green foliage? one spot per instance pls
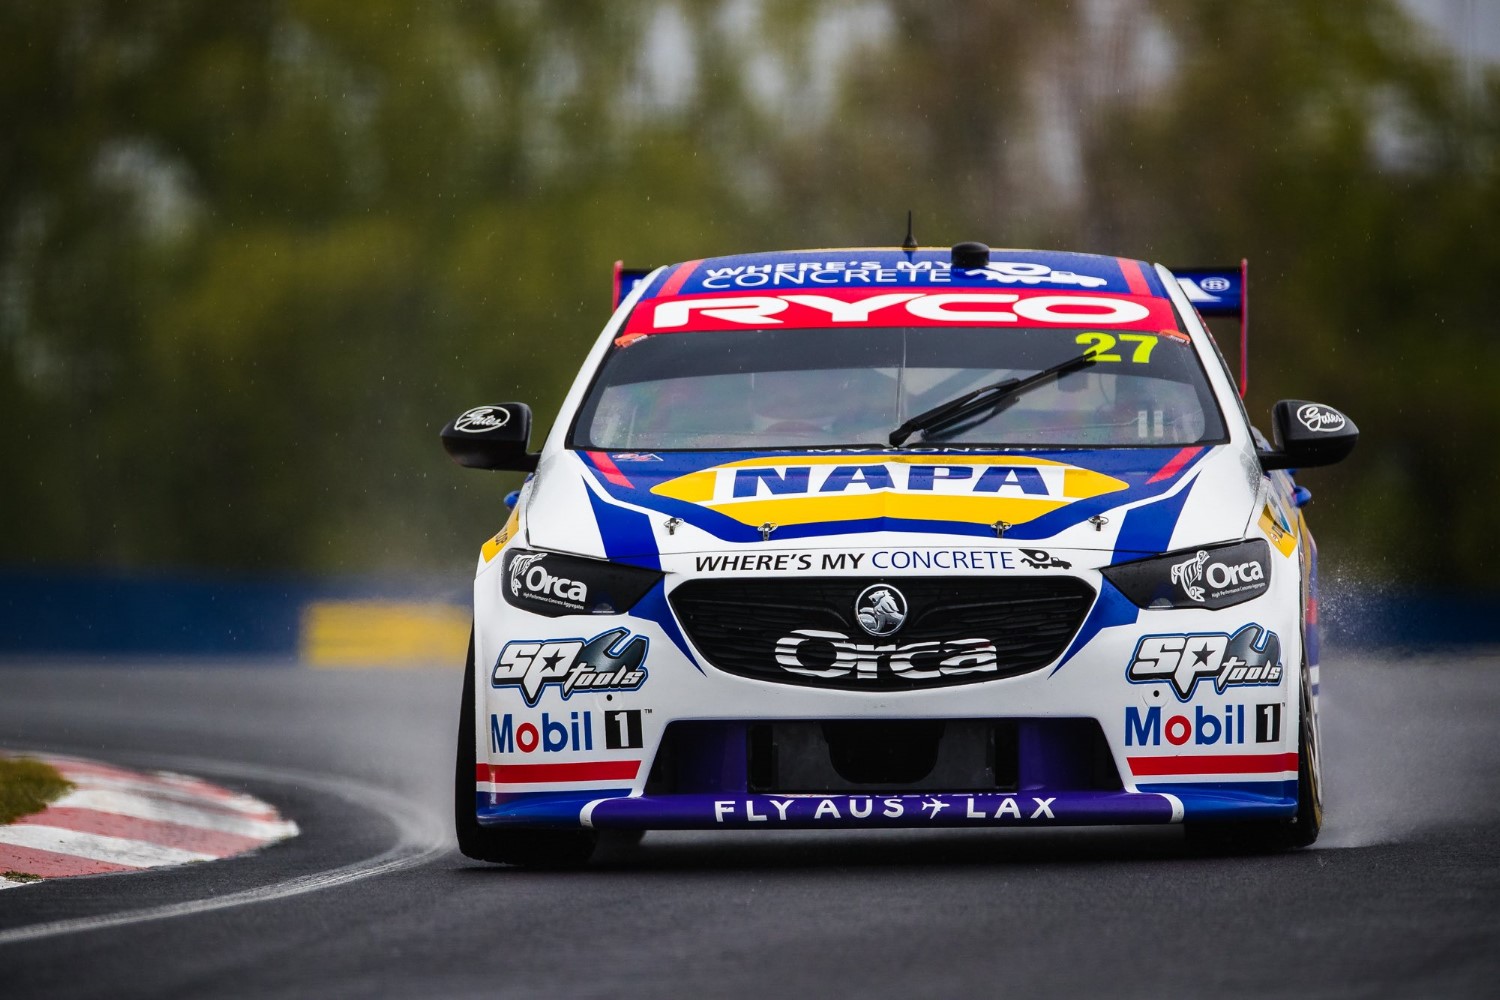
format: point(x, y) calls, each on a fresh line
point(252, 255)
point(26, 786)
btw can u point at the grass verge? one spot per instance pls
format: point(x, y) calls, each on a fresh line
point(26, 786)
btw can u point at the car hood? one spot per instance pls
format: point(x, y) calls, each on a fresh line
point(638, 507)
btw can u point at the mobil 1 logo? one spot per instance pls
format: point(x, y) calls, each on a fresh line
point(622, 730)
point(1151, 726)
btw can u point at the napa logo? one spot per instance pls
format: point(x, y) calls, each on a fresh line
point(819, 489)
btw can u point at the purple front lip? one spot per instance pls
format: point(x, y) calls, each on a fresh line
point(805, 812)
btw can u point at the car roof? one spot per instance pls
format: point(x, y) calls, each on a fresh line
point(871, 287)
point(874, 268)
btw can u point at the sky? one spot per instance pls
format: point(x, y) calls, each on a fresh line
point(1472, 27)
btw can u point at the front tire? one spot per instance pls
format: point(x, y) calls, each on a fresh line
point(1267, 836)
point(539, 848)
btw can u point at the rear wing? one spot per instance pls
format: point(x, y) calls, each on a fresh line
point(1222, 291)
point(626, 278)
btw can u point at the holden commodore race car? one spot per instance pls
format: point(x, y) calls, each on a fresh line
point(896, 538)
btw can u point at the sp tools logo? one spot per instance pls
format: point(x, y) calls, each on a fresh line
point(607, 662)
point(1252, 656)
point(822, 488)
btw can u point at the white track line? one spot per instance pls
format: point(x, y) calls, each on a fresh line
point(421, 839)
point(97, 846)
point(125, 804)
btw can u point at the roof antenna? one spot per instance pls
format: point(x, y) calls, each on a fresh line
point(910, 243)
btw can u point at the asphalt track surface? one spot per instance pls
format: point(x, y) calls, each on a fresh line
point(1401, 896)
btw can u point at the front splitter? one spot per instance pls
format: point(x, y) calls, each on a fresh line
point(717, 811)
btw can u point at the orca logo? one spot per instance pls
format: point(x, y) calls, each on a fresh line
point(529, 578)
point(816, 653)
point(1187, 573)
point(1223, 577)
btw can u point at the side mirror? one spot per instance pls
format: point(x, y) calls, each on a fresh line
point(491, 437)
point(1308, 434)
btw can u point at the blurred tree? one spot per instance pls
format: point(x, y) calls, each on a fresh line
point(253, 253)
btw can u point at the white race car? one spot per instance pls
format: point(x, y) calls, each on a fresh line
point(896, 538)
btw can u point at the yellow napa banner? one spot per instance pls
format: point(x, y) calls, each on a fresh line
point(824, 488)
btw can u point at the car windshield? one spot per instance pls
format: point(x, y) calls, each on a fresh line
point(796, 388)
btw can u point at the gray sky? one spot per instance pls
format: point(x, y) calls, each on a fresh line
point(1472, 27)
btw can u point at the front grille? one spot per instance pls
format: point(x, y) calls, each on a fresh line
point(957, 629)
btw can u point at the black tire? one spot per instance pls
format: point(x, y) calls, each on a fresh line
point(538, 848)
point(1308, 822)
point(1267, 836)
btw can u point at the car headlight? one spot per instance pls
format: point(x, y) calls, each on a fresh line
point(1215, 576)
point(546, 583)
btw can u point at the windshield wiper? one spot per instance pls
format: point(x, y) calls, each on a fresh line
point(998, 395)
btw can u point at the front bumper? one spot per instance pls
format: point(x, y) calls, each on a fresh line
point(550, 757)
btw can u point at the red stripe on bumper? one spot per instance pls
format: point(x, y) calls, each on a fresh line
point(1244, 763)
point(597, 770)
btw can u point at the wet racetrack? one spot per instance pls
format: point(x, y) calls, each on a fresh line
point(1400, 897)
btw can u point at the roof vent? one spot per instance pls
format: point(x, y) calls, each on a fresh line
point(967, 256)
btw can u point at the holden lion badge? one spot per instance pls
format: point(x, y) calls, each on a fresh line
point(880, 609)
